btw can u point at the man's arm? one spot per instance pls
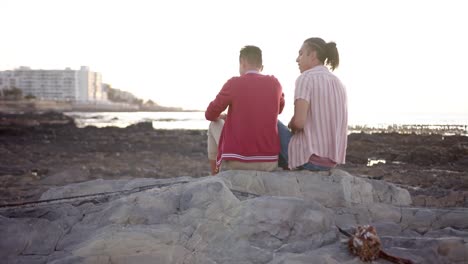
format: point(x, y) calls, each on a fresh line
point(298, 120)
point(219, 104)
point(281, 106)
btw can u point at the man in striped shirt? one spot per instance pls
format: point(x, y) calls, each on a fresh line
point(318, 134)
point(247, 137)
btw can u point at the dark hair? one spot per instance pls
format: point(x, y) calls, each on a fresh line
point(252, 54)
point(327, 53)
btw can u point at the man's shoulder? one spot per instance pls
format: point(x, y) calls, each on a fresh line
point(270, 80)
point(234, 78)
point(304, 77)
point(316, 73)
point(232, 81)
point(248, 77)
point(272, 77)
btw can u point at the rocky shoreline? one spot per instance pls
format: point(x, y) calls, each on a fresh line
point(40, 151)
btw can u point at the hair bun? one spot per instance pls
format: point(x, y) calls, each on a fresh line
point(331, 45)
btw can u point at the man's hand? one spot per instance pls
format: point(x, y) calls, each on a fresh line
point(222, 116)
point(298, 120)
point(293, 129)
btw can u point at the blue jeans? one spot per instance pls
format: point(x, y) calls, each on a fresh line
point(285, 136)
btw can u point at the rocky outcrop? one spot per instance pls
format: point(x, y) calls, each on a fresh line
point(39, 151)
point(235, 217)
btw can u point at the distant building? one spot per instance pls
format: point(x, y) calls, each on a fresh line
point(62, 85)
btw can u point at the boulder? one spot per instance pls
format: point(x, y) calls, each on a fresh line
point(236, 217)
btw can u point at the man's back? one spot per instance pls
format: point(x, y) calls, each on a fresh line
point(325, 130)
point(250, 130)
point(248, 138)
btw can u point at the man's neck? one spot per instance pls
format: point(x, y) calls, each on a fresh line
point(315, 65)
point(251, 70)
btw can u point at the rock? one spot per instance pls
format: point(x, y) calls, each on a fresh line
point(332, 190)
point(157, 244)
point(389, 193)
point(283, 217)
point(141, 126)
point(433, 168)
point(71, 175)
point(103, 186)
point(83, 188)
point(28, 236)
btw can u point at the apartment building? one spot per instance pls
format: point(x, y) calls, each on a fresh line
point(61, 85)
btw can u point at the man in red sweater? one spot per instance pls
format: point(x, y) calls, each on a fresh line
point(247, 137)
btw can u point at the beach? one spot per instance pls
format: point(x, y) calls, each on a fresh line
point(40, 151)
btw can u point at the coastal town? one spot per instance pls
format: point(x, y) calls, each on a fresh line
point(66, 89)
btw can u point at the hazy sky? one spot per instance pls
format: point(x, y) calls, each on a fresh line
point(396, 56)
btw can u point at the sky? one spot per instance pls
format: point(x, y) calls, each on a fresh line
point(396, 57)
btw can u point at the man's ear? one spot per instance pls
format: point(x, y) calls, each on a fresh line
point(313, 54)
point(261, 69)
point(241, 61)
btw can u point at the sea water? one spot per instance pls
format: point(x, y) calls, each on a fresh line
point(196, 120)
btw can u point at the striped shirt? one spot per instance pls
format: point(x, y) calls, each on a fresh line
point(325, 132)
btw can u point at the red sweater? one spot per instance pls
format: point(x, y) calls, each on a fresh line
point(250, 132)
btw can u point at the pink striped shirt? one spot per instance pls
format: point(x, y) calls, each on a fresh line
point(325, 131)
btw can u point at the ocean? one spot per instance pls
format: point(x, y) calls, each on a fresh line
point(196, 120)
